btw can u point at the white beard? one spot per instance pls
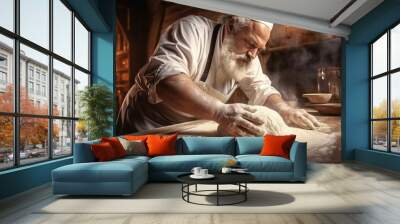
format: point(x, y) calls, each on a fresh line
point(233, 65)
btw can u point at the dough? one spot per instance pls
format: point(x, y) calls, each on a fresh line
point(320, 146)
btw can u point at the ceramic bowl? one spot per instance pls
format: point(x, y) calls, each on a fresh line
point(318, 97)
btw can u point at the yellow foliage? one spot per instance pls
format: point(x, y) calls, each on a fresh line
point(81, 126)
point(380, 127)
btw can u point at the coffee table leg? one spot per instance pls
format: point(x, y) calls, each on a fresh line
point(245, 193)
point(217, 194)
point(195, 188)
point(188, 189)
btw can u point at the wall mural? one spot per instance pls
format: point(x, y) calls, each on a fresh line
point(260, 78)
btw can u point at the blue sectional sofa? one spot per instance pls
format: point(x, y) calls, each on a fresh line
point(125, 176)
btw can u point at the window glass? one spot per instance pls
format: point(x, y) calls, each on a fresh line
point(395, 136)
point(34, 81)
point(62, 91)
point(33, 140)
point(81, 81)
point(6, 142)
point(30, 72)
point(81, 45)
point(395, 95)
point(34, 21)
point(395, 47)
point(379, 135)
point(379, 97)
point(62, 29)
point(39, 62)
point(81, 131)
point(62, 137)
point(30, 87)
point(379, 56)
point(7, 14)
point(6, 74)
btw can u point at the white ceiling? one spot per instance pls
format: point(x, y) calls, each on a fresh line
point(321, 9)
point(315, 15)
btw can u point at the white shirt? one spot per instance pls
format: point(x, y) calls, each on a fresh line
point(184, 48)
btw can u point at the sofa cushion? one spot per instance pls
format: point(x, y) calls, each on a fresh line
point(133, 158)
point(134, 147)
point(83, 152)
point(116, 145)
point(249, 145)
point(257, 163)
point(206, 145)
point(185, 163)
point(161, 145)
point(103, 152)
point(111, 171)
point(277, 145)
point(135, 137)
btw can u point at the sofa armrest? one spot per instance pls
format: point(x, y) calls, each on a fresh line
point(83, 152)
point(298, 155)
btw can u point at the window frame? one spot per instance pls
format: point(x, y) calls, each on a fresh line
point(16, 115)
point(388, 74)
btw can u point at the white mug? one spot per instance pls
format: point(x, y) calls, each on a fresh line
point(226, 170)
point(203, 172)
point(196, 170)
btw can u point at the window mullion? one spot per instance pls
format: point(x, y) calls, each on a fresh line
point(389, 106)
point(16, 69)
point(73, 82)
point(50, 81)
point(370, 98)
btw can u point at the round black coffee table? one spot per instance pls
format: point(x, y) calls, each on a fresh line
point(238, 179)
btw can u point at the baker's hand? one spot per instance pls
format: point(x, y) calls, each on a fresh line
point(238, 120)
point(301, 118)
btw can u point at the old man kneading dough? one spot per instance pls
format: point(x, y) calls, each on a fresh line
point(222, 57)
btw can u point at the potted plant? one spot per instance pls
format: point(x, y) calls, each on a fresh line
point(96, 110)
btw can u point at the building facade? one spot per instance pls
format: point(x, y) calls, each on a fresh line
point(34, 81)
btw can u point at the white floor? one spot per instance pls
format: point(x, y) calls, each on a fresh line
point(377, 189)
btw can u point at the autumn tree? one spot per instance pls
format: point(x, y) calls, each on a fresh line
point(380, 127)
point(396, 123)
point(33, 131)
point(6, 122)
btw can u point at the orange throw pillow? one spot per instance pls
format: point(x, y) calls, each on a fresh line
point(135, 137)
point(161, 145)
point(103, 152)
point(277, 145)
point(116, 145)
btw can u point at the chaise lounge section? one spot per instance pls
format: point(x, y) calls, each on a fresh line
point(125, 176)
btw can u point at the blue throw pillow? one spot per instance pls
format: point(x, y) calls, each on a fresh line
point(207, 145)
point(249, 145)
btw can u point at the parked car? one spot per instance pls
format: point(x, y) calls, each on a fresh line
point(22, 155)
point(57, 152)
point(10, 157)
point(37, 153)
point(25, 154)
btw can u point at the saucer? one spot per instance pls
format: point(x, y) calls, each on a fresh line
point(208, 176)
point(240, 171)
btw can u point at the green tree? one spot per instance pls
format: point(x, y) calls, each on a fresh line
point(96, 103)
